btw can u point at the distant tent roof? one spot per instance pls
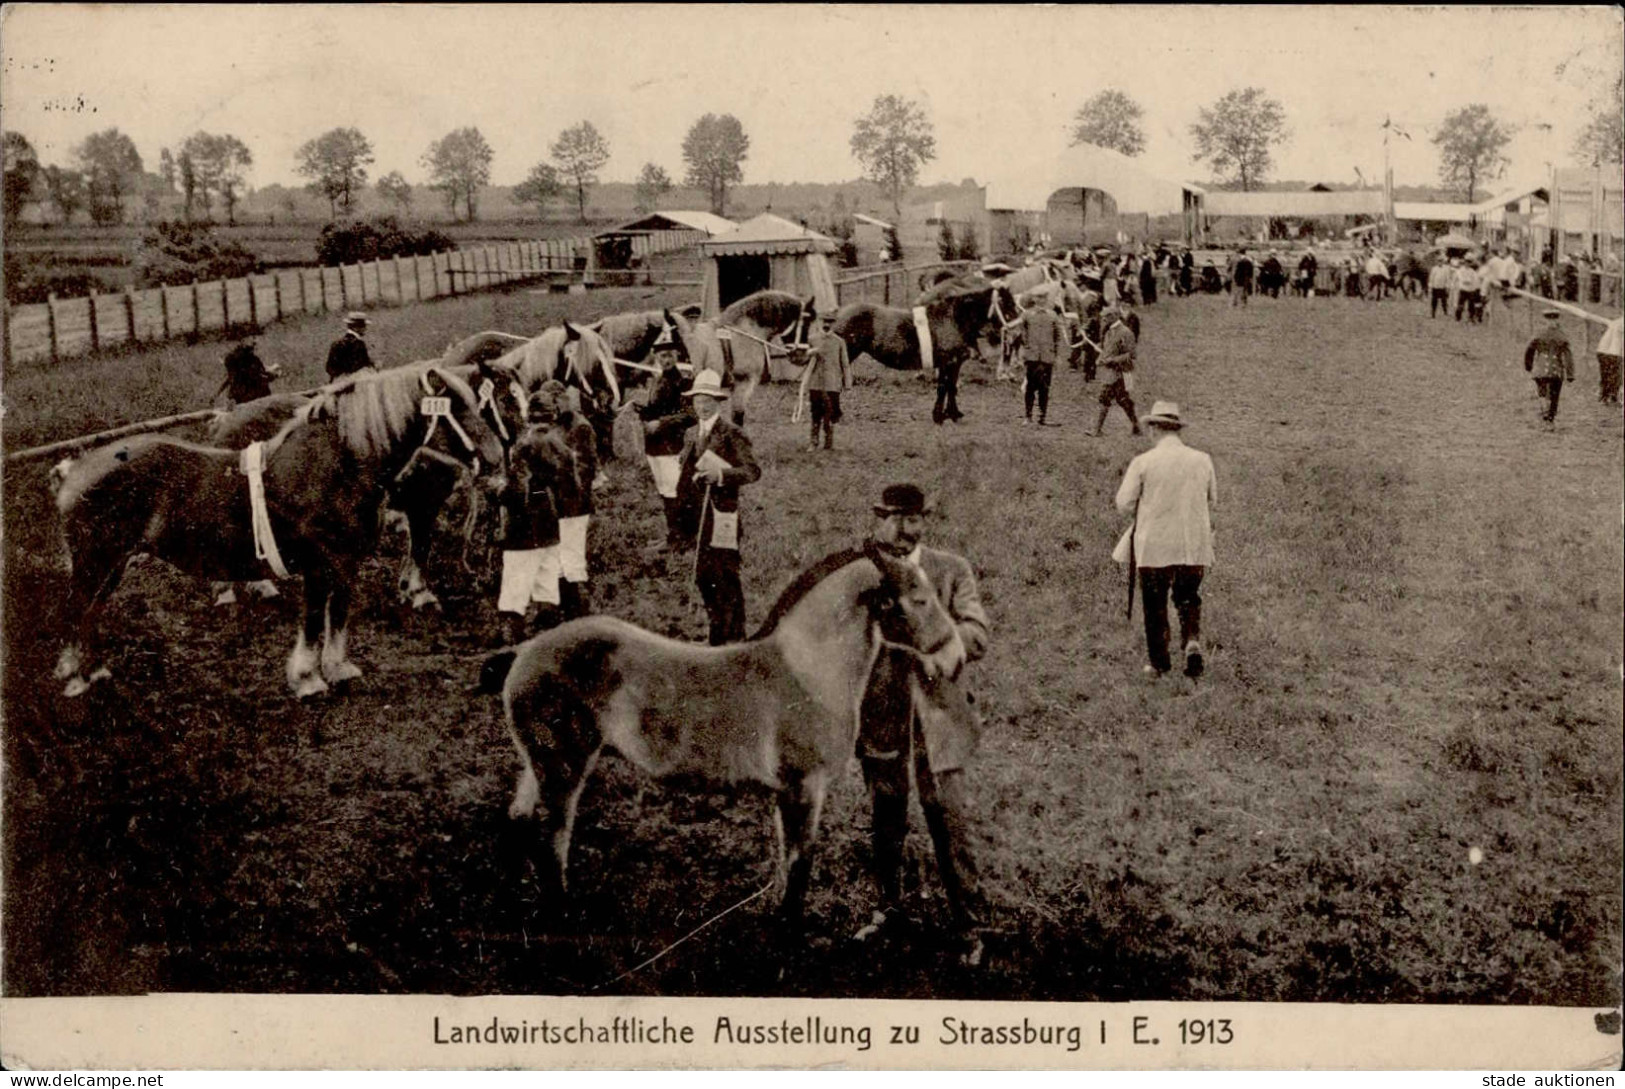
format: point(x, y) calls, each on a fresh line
point(1434, 211)
point(1454, 241)
point(1512, 196)
point(872, 221)
point(1349, 202)
point(678, 221)
point(767, 234)
point(1028, 186)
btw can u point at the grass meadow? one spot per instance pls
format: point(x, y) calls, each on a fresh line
point(1415, 644)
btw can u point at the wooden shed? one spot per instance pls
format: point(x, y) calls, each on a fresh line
point(767, 252)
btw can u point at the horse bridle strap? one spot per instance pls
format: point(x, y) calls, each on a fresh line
point(438, 408)
point(488, 403)
point(251, 462)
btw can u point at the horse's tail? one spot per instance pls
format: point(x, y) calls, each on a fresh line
point(494, 673)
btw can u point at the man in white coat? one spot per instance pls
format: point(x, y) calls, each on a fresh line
point(1171, 492)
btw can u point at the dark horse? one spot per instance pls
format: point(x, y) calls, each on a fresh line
point(325, 476)
point(421, 491)
point(958, 312)
point(780, 709)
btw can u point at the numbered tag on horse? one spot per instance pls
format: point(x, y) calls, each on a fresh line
point(436, 406)
point(725, 529)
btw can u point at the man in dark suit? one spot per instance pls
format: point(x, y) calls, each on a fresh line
point(908, 718)
point(349, 352)
point(717, 460)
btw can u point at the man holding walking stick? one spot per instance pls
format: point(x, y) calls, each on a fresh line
point(717, 460)
point(1171, 492)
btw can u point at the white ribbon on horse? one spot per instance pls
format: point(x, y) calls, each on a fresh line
point(251, 462)
point(922, 326)
point(488, 400)
point(437, 409)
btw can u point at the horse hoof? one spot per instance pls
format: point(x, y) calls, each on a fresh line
point(102, 673)
point(67, 664)
point(425, 599)
point(338, 672)
point(227, 596)
point(76, 688)
point(309, 686)
point(264, 589)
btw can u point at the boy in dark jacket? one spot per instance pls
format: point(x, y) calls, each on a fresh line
point(540, 467)
point(1550, 359)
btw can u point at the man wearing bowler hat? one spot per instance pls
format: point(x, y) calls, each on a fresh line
point(910, 719)
point(716, 461)
point(349, 352)
point(1170, 491)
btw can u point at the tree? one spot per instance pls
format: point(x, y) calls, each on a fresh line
point(892, 142)
point(653, 183)
point(947, 246)
point(713, 150)
point(189, 186)
point(1235, 135)
point(111, 165)
point(66, 188)
point(1110, 119)
point(336, 163)
point(395, 190)
point(1470, 142)
point(219, 164)
point(580, 151)
point(459, 163)
point(167, 170)
point(540, 187)
point(22, 175)
point(1603, 140)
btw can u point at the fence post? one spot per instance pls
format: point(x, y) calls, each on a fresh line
point(344, 292)
point(50, 326)
point(197, 312)
point(276, 294)
point(225, 305)
point(253, 304)
point(129, 313)
point(163, 308)
point(400, 288)
point(95, 334)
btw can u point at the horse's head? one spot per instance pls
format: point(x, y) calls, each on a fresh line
point(673, 332)
point(456, 425)
point(910, 615)
point(589, 362)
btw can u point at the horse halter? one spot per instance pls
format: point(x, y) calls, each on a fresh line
point(488, 403)
point(438, 407)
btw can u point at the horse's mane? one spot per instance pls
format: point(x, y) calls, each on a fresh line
point(543, 357)
point(803, 585)
point(372, 411)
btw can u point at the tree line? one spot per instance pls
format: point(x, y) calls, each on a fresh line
point(1236, 137)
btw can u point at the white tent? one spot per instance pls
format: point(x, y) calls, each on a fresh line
point(767, 252)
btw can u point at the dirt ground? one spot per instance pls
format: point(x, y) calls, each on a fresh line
point(1415, 645)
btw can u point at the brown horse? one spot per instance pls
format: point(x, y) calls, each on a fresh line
point(324, 478)
point(781, 709)
point(959, 311)
point(422, 490)
point(752, 324)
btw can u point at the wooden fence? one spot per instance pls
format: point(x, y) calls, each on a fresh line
point(61, 328)
point(891, 285)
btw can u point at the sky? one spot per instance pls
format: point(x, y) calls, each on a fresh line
point(1000, 83)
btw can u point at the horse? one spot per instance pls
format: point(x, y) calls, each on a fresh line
point(419, 493)
point(958, 312)
point(752, 322)
point(1411, 274)
point(633, 336)
point(780, 709)
point(324, 478)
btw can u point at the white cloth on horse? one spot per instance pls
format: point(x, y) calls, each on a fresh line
point(573, 547)
point(252, 464)
point(529, 575)
point(922, 326)
point(667, 469)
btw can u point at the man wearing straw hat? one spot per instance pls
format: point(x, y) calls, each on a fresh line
point(1608, 353)
point(349, 352)
point(1170, 491)
point(909, 720)
point(717, 460)
point(1551, 361)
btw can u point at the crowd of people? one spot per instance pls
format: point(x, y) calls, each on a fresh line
point(700, 460)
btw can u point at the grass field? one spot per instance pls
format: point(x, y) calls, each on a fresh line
point(1415, 649)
